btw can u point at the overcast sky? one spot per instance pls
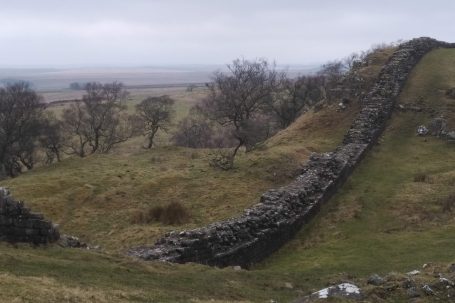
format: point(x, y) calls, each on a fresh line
point(162, 32)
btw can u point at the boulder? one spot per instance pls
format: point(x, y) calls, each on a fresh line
point(375, 280)
point(422, 131)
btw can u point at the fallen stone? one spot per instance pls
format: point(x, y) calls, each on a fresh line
point(68, 241)
point(343, 290)
point(422, 131)
point(288, 285)
point(375, 280)
point(413, 272)
point(427, 290)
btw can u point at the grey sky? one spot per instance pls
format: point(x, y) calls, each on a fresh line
point(155, 32)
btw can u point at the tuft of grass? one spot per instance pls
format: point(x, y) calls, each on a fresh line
point(421, 177)
point(173, 214)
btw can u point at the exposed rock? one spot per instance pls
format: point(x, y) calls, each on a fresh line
point(71, 241)
point(267, 225)
point(288, 285)
point(413, 272)
point(375, 280)
point(422, 130)
point(450, 136)
point(427, 290)
point(343, 290)
point(19, 224)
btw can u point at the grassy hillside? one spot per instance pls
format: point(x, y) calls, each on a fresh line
point(381, 220)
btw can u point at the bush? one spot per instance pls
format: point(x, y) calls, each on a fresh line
point(222, 159)
point(421, 177)
point(171, 214)
point(174, 214)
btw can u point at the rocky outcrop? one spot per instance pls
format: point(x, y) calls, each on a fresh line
point(18, 224)
point(266, 226)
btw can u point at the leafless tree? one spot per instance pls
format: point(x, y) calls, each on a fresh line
point(333, 73)
point(237, 98)
point(156, 114)
point(193, 132)
point(20, 122)
point(52, 139)
point(294, 96)
point(99, 121)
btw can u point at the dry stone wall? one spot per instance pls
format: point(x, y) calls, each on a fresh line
point(18, 224)
point(267, 225)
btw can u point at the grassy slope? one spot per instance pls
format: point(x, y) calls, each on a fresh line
point(94, 198)
point(381, 221)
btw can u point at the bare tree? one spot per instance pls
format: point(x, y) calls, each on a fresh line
point(52, 139)
point(156, 114)
point(194, 131)
point(333, 73)
point(237, 98)
point(20, 122)
point(98, 122)
point(294, 96)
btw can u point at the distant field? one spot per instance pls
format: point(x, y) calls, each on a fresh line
point(53, 84)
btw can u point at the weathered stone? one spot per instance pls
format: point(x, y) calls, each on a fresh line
point(18, 224)
point(422, 131)
point(71, 241)
point(343, 290)
point(266, 226)
point(375, 280)
point(427, 290)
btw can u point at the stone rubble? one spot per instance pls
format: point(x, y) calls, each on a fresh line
point(267, 225)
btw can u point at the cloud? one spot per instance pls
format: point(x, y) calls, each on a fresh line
point(140, 32)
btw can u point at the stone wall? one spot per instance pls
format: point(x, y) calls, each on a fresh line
point(18, 224)
point(267, 225)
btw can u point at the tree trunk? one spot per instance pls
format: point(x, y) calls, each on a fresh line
point(236, 149)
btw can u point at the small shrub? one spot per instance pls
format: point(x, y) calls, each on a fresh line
point(174, 214)
point(137, 217)
point(171, 214)
point(222, 159)
point(421, 177)
point(154, 213)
